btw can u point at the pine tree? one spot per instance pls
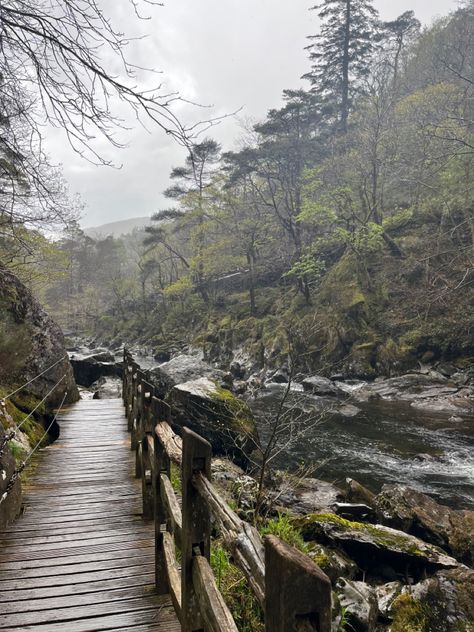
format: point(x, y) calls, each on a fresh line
point(340, 53)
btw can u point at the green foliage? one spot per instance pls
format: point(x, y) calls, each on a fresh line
point(284, 528)
point(237, 594)
point(410, 615)
point(18, 451)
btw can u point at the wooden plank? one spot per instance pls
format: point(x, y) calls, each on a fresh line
point(63, 615)
point(77, 559)
point(72, 600)
point(173, 575)
point(173, 510)
point(70, 572)
point(170, 441)
point(160, 619)
point(213, 608)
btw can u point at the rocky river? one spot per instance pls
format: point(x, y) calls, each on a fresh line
point(385, 441)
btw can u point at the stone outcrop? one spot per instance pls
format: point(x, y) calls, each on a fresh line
point(431, 391)
point(180, 369)
point(10, 507)
point(30, 342)
point(322, 386)
point(413, 512)
point(88, 368)
point(216, 414)
point(380, 551)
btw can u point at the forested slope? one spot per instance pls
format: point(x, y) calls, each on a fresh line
point(343, 226)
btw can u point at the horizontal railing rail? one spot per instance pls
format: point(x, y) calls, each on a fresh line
point(293, 591)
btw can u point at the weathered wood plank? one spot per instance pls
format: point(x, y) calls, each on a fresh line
point(174, 577)
point(213, 608)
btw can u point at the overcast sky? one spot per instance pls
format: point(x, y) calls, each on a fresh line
point(227, 53)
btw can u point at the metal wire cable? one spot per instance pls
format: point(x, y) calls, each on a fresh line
point(18, 470)
point(34, 378)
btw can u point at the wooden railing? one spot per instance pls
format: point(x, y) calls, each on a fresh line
point(293, 591)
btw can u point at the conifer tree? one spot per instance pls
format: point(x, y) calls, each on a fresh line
point(340, 53)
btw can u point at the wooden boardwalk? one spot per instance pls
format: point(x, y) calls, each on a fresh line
point(81, 558)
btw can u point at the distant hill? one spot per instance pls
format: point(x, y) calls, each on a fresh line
point(116, 229)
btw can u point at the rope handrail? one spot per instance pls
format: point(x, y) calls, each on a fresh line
point(18, 470)
point(11, 435)
point(34, 378)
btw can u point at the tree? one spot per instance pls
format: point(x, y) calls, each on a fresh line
point(287, 143)
point(192, 182)
point(340, 54)
point(63, 63)
point(58, 50)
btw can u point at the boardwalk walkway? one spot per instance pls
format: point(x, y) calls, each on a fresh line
point(81, 558)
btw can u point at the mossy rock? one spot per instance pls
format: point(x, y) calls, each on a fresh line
point(373, 546)
point(216, 414)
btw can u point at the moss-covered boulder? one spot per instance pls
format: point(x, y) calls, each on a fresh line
point(216, 414)
point(416, 513)
point(378, 550)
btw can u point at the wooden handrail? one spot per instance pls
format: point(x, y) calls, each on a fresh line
point(293, 591)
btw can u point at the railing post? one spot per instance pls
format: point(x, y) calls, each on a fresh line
point(137, 412)
point(196, 536)
point(297, 592)
point(162, 465)
point(143, 464)
point(132, 395)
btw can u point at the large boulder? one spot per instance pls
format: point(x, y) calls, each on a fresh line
point(322, 386)
point(180, 369)
point(379, 550)
point(91, 367)
point(31, 343)
point(411, 511)
point(107, 388)
point(216, 414)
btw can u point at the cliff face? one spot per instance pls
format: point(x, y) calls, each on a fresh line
point(30, 342)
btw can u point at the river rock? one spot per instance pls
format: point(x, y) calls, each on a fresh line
point(377, 549)
point(431, 392)
point(411, 511)
point(309, 495)
point(10, 507)
point(107, 388)
point(318, 385)
point(30, 343)
point(354, 511)
point(348, 410)
point(180, 369)
point(334, 563)
point(89, 368)
point(442, 603)
point(359, 602)
point(216, 414)
point(357, 493)
point(386, 595)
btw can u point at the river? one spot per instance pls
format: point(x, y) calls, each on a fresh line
point(387, 442)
